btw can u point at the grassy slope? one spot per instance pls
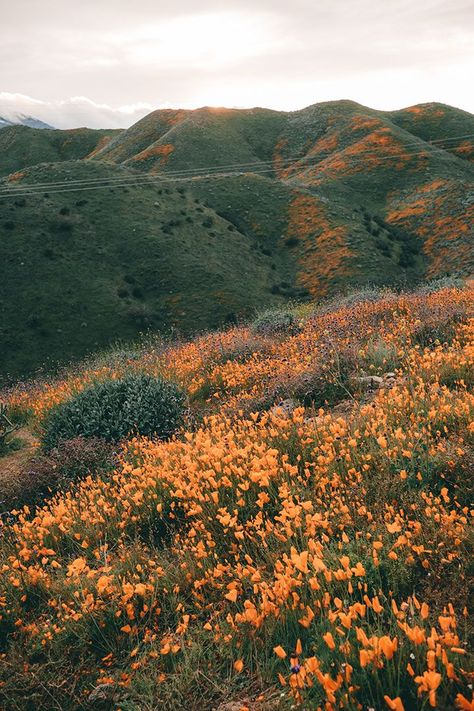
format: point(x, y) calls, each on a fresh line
point(119, 262)
point(355, 159)
point(437, 122)
point(338, 194)
point(269, 561)
point(21, 146)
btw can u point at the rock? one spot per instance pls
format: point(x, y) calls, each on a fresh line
point(104, 693)
point(371, 381)
point(389, 376)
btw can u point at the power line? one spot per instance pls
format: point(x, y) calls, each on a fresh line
point(208, 169)
point(184, 175)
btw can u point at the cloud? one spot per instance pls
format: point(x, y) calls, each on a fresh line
point(74, 112)
point(153, 53)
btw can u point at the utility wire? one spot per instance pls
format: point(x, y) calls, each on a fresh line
point(182, 176)
point(208, 169)
point(238, 165)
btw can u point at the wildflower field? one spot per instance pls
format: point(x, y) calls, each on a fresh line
point(312, 555)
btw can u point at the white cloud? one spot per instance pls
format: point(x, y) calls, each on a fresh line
point(73, 112)
point(159, 53)
point(201, 41)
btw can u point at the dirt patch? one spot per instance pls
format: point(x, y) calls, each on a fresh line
point(13, 464)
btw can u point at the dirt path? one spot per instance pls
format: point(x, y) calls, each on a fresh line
point(13, 464)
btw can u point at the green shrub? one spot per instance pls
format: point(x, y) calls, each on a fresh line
point(444, 282)
point(362, 295)
point(113, 409)
point(274, 321)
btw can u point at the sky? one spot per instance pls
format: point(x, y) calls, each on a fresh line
point(106, 63)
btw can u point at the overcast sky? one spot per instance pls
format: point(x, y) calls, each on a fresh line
point(106, 63)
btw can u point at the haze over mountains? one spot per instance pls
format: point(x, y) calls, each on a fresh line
point(190, 219)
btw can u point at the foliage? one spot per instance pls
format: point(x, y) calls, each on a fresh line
point(326, 552)
point(114, 409)
point(274, 321)
point(367, 294)
point(339, 195)
point(443, 282)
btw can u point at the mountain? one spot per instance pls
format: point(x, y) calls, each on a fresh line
point(216, 212)
point(16, 119)
point(21, 146)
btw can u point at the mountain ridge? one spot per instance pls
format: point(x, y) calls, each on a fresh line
point(20, 119)
point(322, 199)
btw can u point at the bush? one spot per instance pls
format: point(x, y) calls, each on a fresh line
point(114, 409)
point(363, 295)
point(274, 321)
point(445, 282)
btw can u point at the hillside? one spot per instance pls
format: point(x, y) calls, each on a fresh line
point(88, 268)
point(21, 146)
point(295, 205)
point(302, 542)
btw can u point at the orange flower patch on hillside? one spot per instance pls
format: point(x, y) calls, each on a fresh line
point(465, 150)
point(104, 141)
point(174, 116)
point(16, 177)
point(161, 152)
point(360, 122)
point(376, 150)
point(212, 362)
point(329, 554)
point(324, 254)
point(422, 111)
point(438, 213)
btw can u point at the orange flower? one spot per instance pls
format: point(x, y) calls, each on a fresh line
point(394, 704)
point(388, 646)
point(429, 682)
point(376, 606)
point(464, 704)
point(329, 639)
point(231, 595)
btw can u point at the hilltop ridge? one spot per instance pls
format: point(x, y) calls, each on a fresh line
point(269, 205)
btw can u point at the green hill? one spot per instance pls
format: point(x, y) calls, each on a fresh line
point(401, 177)
point(217, 212)
point(82, 269)
point(21, 146)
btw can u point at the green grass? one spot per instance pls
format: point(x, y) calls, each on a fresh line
point(118, 263)
point(21, 146)
point(83, 269)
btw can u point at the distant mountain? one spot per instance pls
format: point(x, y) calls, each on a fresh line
point(16, 119)
point(190, 219)
point(21, 147)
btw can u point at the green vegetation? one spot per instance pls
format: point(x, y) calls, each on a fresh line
point(21, 147)
point(118, 263)
point(267, 558)
point(114, 409)
point(326, 198)
point(272, 322)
